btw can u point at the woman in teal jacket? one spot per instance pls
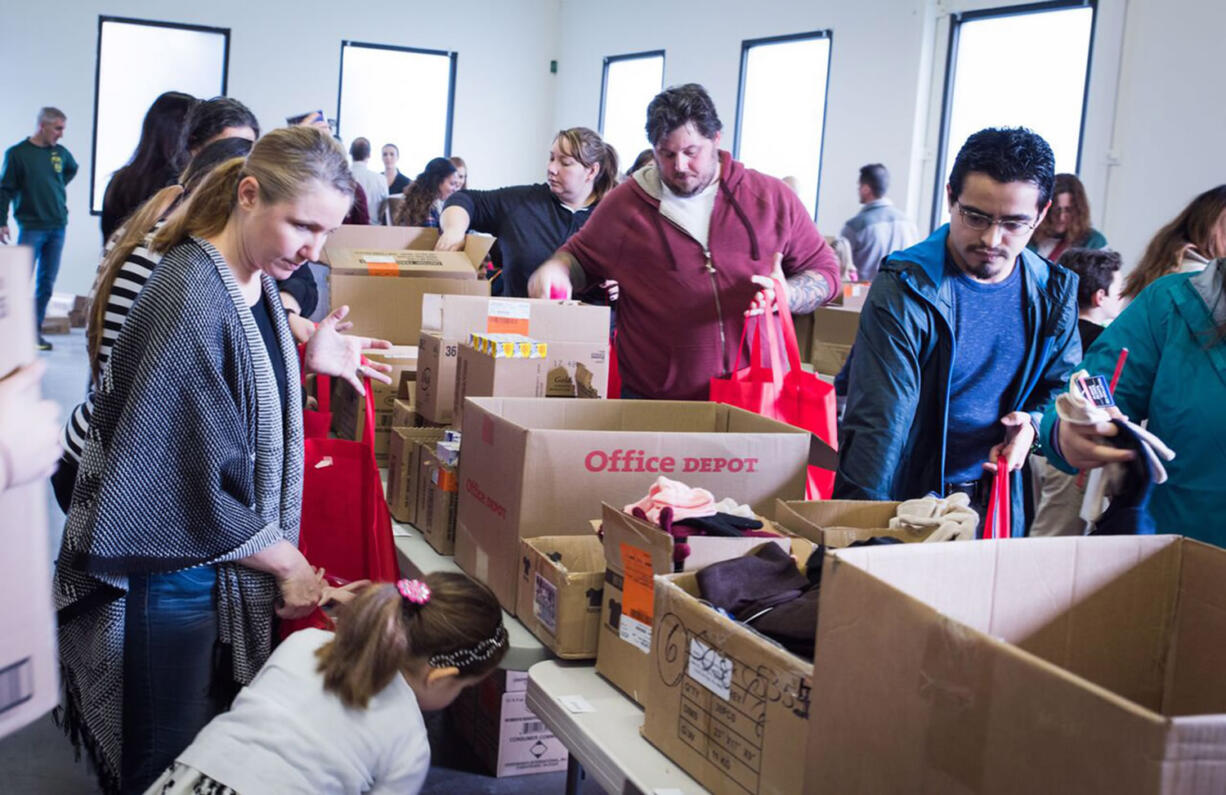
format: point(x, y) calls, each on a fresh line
point(1175, 377)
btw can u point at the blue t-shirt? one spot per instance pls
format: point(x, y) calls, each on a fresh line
point(991, 347)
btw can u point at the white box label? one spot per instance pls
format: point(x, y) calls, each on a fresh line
point(545, 604)
point(635, 633)
point(510, 310)
point(710, 669)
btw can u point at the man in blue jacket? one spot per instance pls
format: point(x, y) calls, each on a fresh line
point(963, 339)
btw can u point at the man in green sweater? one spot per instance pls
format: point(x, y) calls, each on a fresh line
point(34, 176)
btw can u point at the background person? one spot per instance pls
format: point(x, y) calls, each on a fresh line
point(532, 221)
point(461, 171)
point(374, 184)
point(880, 228)
point(1099, 281)
point(212, 120)
point(423, 199)
point(1187, 244)
point(154, 163)
point(34, 177)
point(343, 712)
point(396, 182)
point(1067, 223)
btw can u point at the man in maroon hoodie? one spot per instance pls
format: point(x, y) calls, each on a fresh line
point(693, 240)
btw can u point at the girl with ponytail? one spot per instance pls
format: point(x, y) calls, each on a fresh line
point(341, 712)
point(182, 534)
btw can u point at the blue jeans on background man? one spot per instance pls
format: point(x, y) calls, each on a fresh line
point(48, 245)
point(170, 635)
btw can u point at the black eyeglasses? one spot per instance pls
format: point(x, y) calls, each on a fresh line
point(980, 222)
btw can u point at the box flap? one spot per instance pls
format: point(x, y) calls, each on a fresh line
point(576, 554)
point(391, 238)
point(621, 528)
point(1196, 669)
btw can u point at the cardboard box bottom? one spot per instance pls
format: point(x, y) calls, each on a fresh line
point(510, 740)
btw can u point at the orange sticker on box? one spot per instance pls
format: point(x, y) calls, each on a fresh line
point(507, 317)
point(638, 595)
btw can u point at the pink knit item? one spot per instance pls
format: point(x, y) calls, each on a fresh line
point(685, 501)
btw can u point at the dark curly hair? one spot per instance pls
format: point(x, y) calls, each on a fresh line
point(679, 105)
point(418, 197)
point(1006, 154)
point(1095, 268)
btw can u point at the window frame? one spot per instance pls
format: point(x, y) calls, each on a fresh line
point(749, 44)
point(452, 55)
point(951, 55)
point(604, 77)
point(152, 23)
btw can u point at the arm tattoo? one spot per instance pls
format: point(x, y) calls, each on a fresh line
point(806, 292)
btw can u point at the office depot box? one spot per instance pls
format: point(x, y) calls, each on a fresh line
point(841, 523)
point(481, 375)
point(382, 272)
point(728, 705)
point(448, 320)
point(349, 408)
point(561, 578)
point(834, 331)
point(635, 551)
point(494, 720)
point(1022, 666)
point(29, 670)
point(402, 467)
point(538, 466)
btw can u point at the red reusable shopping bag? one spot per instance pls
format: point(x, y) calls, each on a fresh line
point(997, 524)
point(782, 392)
point(318, 421)
point(345, 527)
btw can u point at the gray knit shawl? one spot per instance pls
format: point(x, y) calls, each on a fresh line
point(190, 460)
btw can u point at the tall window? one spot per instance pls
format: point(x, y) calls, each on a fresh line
point(397, 95)
point(630, 82)
point(781, 108)
point(137, 61)
point(1012, 67)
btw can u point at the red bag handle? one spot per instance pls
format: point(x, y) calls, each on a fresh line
point(997, 523)
point(368, 428)
point(789, 328)
point(323, 383)
point(772, 342)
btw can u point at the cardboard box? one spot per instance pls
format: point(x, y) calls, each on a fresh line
point(382, 272)
point(448, 320)
point(1022, 666)
point(29, 667)
point(494, 720)
point(56, 324)
point(349, 409)
point(404, 412)
point(439, 530)
point(834, 331)
point(841, 523)
point(533, 467)
point(481, 375)
point(725, 703)
point(635, 551)
point(78, 316)
point(577, 369)
point(402, 469)
point(561, 580)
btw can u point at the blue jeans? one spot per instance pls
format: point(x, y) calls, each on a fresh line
point(170, 637)
point(48, 245)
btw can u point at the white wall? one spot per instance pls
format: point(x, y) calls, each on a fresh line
point(284, 59)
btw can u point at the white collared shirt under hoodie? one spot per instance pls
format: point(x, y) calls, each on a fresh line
point(691, 214)
point(286, 734)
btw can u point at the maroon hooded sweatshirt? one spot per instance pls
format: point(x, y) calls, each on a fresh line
point(680, 312)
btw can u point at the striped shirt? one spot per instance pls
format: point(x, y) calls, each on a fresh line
point(127, 286)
